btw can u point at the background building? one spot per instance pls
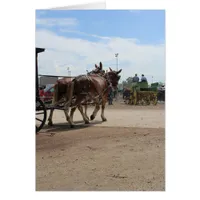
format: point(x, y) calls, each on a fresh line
point(45, 80)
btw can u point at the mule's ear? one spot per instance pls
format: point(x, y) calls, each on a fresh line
point(119, 71)
point(110, 69)
point(100, 65)
point(96, 66)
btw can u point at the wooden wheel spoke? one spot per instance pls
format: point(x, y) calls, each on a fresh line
point(39, 108)
point(39, 119)
point(39, 113)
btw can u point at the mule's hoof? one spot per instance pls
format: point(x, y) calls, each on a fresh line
point(87, 122)
point(92, 117)
point(72, 126)
point(50, 123)
point(104, 119)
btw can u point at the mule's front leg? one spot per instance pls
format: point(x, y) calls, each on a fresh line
point(97, 107)
point(102, 111)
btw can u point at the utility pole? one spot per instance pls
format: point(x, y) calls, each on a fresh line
point(116, 55)
point(69, 72)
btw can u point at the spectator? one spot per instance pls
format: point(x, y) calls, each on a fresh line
point(135, 79)
point(143, 78)
point(110, 96)
point(135, 82)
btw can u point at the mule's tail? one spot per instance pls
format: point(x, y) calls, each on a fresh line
point(55, 95)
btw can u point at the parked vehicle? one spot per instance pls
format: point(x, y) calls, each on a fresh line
point(47, 94)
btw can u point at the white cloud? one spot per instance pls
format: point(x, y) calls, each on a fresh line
point(135, 11)
point(61, 22)
point(82, 54)
point(40, 13)
point(82, 33)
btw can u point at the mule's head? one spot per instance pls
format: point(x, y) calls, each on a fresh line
point(98, 69)
point(113, 77)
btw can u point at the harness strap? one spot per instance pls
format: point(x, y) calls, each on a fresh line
point(103, 77)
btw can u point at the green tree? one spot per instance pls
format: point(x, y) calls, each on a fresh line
point(127, 83)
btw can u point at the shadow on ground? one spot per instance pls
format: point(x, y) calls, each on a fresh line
point(60, 127)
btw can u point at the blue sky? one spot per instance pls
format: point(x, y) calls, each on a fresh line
point(96, 30)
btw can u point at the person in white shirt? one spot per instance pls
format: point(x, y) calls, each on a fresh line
point(143, 78)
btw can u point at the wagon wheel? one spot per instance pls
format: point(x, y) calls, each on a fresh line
point(41, 115)
point(148, 99)
point(155, 100)
point(148, 102)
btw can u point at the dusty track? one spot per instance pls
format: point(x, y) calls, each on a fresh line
point(116, 155)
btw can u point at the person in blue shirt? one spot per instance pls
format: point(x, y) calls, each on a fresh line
point(135, 79)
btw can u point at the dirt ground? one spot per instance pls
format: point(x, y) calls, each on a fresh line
point(126, 153)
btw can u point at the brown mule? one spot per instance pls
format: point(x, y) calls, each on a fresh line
point(60, 90)
point(91, 87)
